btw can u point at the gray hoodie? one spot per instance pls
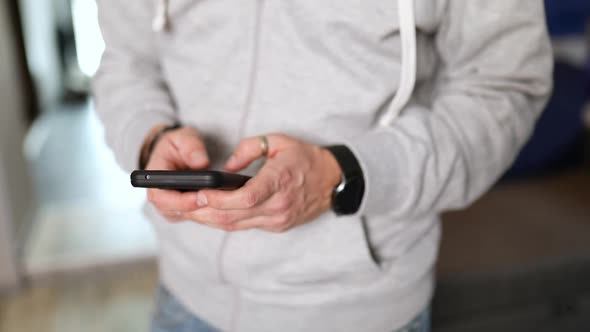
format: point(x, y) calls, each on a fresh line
point(471, 77)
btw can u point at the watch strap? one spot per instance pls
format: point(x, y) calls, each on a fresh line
point(347, 196)
point(348, 162)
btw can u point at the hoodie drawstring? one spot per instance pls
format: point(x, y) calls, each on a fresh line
point(408, 63)
point(162, 18)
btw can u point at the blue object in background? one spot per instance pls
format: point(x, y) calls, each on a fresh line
point(558, 138)
point(567, 17)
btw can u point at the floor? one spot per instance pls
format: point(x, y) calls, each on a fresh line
point(518, 224)
point(90, 257)
point(119, 301)
point(89, 215)
point(513, 259)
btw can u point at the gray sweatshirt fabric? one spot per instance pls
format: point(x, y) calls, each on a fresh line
point(324, 71)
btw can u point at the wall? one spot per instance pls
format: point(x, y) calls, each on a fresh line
point(39, 26)
point(16, 203)
point(9, 275)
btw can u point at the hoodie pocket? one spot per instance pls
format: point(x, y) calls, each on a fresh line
point(328, 251)
point(338, 251)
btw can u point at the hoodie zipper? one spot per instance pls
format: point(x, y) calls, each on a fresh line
point(248, 103)
point(254, 66)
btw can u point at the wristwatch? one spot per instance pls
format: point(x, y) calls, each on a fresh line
point(347, 196)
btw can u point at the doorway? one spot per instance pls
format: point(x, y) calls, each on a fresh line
point(87, 216)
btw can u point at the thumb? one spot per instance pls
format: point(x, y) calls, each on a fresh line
point(191, 148)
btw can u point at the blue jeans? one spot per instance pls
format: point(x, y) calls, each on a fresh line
point(171, 316)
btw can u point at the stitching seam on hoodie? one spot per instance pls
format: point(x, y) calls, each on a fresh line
point(220, 258)
point(254, 69)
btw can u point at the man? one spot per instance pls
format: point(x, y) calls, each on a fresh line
point(338, 230)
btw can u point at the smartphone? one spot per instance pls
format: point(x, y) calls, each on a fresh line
point(188, 180)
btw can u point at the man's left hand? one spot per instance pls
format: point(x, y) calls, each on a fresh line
point(292, 188)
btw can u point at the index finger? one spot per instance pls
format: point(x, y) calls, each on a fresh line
point(169, 200)
point(255, 192)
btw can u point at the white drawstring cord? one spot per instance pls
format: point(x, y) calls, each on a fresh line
point(161, 19)
point(408, 63)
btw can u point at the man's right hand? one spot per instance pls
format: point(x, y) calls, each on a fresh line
point(177, 149)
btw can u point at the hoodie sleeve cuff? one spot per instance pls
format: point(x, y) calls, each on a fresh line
point(382, 171)
point(134, 135)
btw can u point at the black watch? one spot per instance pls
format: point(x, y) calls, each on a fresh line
point(348, 195)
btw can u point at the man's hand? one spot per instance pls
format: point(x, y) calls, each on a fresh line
point(178, 149)
point(292, 188)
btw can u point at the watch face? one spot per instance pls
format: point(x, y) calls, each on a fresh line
point(347, 196)
point(340, 186)
point(348, 200)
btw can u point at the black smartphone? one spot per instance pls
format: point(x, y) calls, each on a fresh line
point(188, 180)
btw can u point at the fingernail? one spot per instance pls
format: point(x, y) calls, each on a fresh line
point(174, 214)
point(201, 200)
point(198, 157)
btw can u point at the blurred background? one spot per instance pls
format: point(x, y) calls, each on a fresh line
point(77, 255)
